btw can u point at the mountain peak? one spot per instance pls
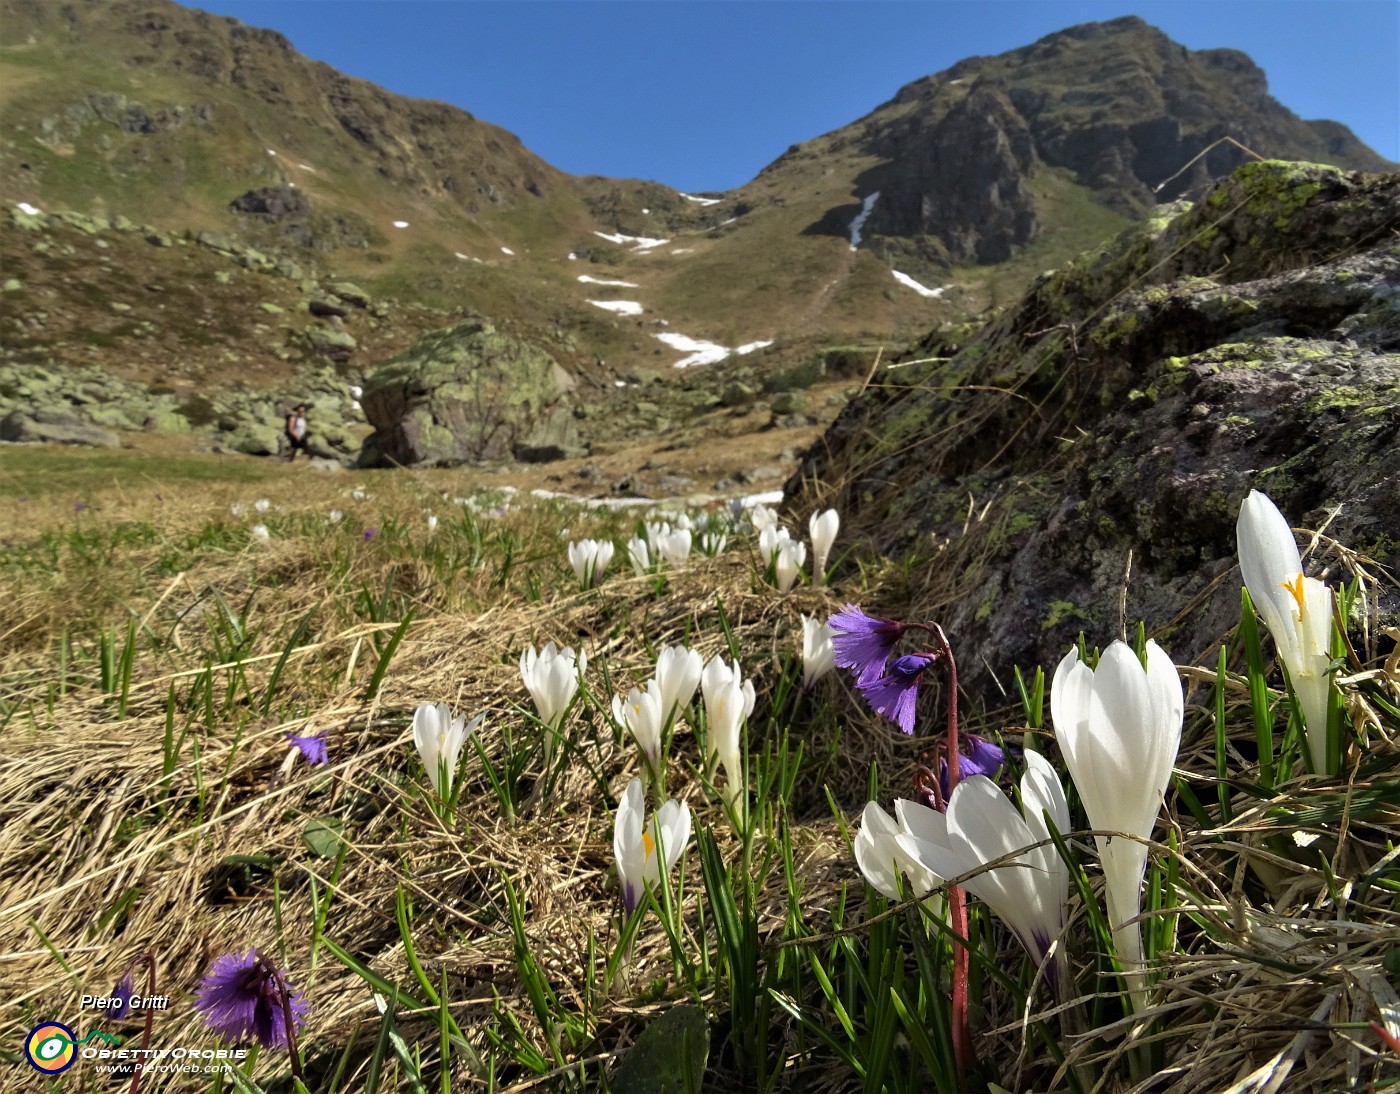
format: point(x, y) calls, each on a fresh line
point(1116, 107)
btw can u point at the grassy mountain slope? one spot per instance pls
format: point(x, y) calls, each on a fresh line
point(192, 122)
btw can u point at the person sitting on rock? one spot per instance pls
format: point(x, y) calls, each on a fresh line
point(296, 432)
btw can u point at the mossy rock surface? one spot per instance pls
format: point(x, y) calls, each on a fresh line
point(1129, 402)
point(459, 394)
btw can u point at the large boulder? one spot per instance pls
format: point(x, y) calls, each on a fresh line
point(331, 440)
point(54, 427)
point(331, 342)
point(556, 437)
point(462, 393)
point(1125, 408)
point(254, 438)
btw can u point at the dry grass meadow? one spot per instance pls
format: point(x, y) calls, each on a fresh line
point(155, 655)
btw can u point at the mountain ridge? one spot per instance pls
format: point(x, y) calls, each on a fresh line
point(198, 124)
point(1144, 121)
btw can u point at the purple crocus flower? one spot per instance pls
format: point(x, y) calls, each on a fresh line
point(313, 748)
point(123, 991)
point(370, 533)
point(242, 995)
point(863, 643)
point(895, 694)
point(979, 756)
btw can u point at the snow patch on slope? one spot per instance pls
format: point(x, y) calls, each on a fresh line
point(922, 290)
point(697, 351)
point(700, 352)
point(604, 281)
point(622, 307)
point(643, 243)
point(858, 225)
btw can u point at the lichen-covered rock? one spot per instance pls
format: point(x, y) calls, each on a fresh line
point(350, 293)
point(254, 439)
point(1128, 404)
point(331, 440)
point(556, 437)
point(54, 427)
point(331, 342)
point(461, 393)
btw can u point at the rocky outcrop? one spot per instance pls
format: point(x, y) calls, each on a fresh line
point(79, 406)
point(966, 181)
point(459, 394)
point(49, 426)
point(1128, 404)
point(88, 406)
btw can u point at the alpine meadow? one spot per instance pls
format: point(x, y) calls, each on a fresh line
point(927, 619)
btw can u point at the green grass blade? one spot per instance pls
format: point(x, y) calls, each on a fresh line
point(387, 655)
point(295, 640)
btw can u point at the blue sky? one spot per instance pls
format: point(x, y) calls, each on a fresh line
point(702, 95)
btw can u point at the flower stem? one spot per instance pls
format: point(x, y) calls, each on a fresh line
point(150, 962)
point(957, 899)
point(284, 1003)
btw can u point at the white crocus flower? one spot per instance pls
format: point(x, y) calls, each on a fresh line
point(760, 516)
point(1296, 609)
point(641, 849)
point(729, 699)
point(432, 523)
point(639, 555)
point(1119, 728)
point(260, 531)
point(642, 713)
point(674, 546)
point(439, 738)
point(771, 537)
point(334, 516)
point(712, 542)
point(654, 531)
point(817, 652)
point(882, 857)
point(590, 558)
point(823, 527)
point(787, 568)
point(262, 505)
point(551, 677)
point(678, 672)
point(1028, 892)
point(238, 509)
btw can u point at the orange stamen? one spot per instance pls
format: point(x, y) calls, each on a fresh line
point(1296, 588)
point(648, 844)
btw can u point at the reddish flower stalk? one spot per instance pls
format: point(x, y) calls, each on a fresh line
point(150, 962)
point(957, 899)
point(288, 1017)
